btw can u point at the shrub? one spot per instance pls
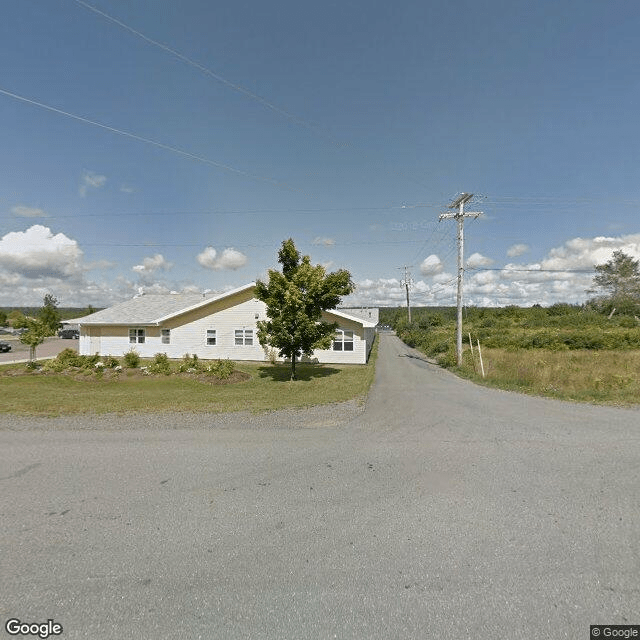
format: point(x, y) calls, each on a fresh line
point(221, 369)
point(160, 364)
point(190, 363)
point(54, 365)
point(448, 360)
point(131, 359)
point(68, 358)
point(627, 322)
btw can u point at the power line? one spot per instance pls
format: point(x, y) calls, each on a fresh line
point(243, 245)
point(532, 270)
point(155, 143)
point(208, 212)
point(236, 87)
point(200, 67)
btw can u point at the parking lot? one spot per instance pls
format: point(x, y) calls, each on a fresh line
point(50, 348)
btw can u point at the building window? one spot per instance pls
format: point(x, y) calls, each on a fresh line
point(211, 337)
point(244, 337)
point(166, 336)
point(343, 341)
point(136, 336)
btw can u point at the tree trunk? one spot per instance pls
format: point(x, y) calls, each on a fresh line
point(293, 367)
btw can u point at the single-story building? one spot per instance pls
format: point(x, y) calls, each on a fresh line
point(210, 326)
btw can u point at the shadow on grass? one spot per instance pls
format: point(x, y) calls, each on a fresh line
point(306, 372)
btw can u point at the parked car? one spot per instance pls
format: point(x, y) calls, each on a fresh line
point(4, 347)
point(69, 334)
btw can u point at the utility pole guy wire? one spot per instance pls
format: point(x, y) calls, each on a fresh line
point(459, 216)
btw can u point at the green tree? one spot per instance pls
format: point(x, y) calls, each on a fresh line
point(35, 335)
point(3, 318)
point(16, 318)
point(49, 314)
point(619, 281)
point(295, 301)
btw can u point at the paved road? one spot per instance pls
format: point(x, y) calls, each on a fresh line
point(443, 510)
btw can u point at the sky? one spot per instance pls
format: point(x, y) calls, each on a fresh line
point(158, 146)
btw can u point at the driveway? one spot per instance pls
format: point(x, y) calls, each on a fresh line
point(441, 510)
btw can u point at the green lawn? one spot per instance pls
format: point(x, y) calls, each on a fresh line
point(268, 388)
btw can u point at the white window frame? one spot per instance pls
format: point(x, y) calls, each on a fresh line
point(211, 335)
point(137, 335)
point(243, 337)
point(343, 340)
point(165, 336)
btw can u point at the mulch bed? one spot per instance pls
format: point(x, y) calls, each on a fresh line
point(110, 375)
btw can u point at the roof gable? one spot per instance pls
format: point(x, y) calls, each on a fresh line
point(152, 309)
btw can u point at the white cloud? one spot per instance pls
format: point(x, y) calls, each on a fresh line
point(325, 242)
point(581, 253)
point(229, 259)
point(91, 180)
point(443, 277)
point(28, 212)
point(517, 250)
point(431, 265)
point(556, 278)
point(38, 253)
point(127, 189)
point(477, 260)
point(152, 264)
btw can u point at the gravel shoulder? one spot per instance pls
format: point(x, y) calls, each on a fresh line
point(329, 415)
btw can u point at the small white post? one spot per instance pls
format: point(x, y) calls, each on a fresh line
point(472, 358)
point(480, 352)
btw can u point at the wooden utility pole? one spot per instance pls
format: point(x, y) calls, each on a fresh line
point(407, 282)
point(459, 216)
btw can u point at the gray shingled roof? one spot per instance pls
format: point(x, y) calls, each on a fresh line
point(151, 308)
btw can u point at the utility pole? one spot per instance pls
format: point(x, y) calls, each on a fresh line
point(459, 216)
point(407, 282)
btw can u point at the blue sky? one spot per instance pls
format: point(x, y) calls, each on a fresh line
point(170, 146)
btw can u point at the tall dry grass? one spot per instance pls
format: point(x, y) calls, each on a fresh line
point(607, 377)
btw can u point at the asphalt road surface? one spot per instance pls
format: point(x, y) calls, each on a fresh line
point(442, 510)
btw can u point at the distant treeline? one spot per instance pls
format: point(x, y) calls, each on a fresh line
point(559, 327)
point(66, 313)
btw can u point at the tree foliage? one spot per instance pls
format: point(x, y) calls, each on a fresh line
point(619, 282)
point(35, 335)
point(49, 314)
point(17, 319)
point(295, 301)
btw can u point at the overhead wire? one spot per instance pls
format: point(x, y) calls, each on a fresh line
point(155, 143)
point(207, 71)
point(235, 86)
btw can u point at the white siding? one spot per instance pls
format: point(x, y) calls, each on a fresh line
point(189, 335)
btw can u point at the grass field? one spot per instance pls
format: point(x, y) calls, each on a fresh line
point(597, 376)
point(563, 351)
point(267, 388)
